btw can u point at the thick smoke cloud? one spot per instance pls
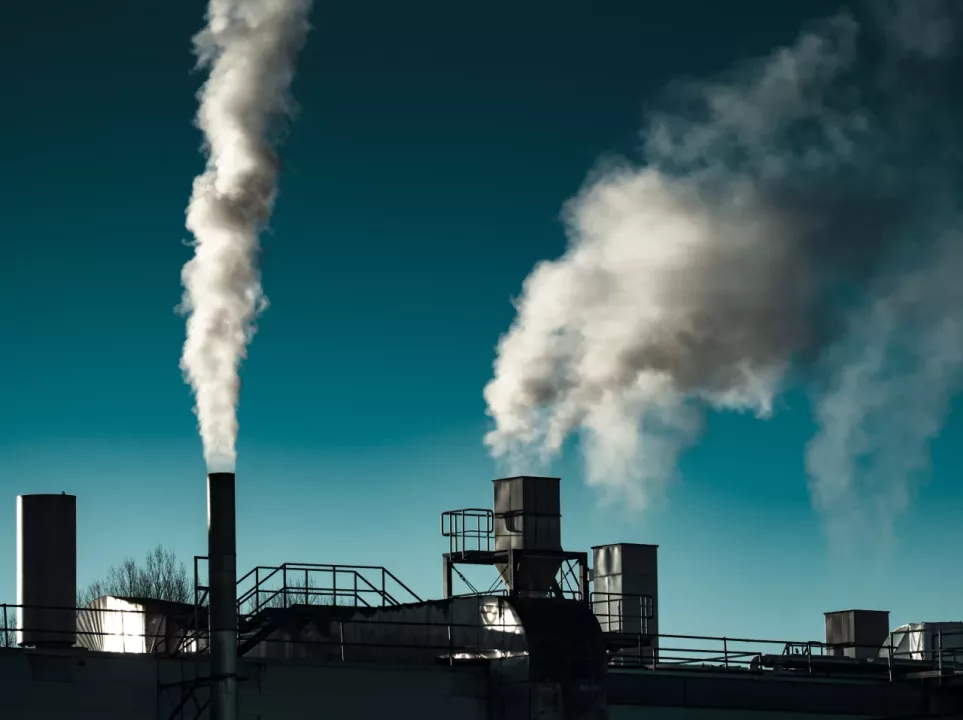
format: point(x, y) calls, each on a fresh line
point(250, 47)
point(779, 230)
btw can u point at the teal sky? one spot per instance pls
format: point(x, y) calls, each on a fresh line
point(422, 179)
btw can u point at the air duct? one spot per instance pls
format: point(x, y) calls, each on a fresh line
point(222, 579)
point(47, 570)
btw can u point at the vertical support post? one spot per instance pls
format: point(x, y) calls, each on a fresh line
point(446, 578)
point(583, 577)
point(512, 592)
point(889, 658)
point(941, 650)
point(341, 635)
point(197, 615)
point(222, 572)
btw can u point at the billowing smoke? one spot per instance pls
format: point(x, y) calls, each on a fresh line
point(250, 47)
point(790, 223)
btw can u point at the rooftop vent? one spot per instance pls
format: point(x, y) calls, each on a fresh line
point(857, 633)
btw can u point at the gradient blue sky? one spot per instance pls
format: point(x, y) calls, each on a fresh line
point(422, 179)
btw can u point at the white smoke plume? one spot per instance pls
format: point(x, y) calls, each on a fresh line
point(770, 203)
point(891, 380)
point(250, 47)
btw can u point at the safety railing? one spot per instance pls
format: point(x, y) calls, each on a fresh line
point(567, 580)
point(130, 631)
point(667, 651)
point(281, 586)
point(468, 530)
point(127, 628)
point(622, 612)
point(197, 633)
point(138, 630)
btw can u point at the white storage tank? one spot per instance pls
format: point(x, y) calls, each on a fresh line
point(926, 641)
point(46, 570)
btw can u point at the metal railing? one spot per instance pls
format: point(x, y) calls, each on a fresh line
point(290, 584)
point(567, 579)
point(141, 630)
point(468, 530)
point(130, 629)
point(669, 651)
point(622, 612)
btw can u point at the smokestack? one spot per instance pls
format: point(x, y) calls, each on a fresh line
point(222, 579)
point(46, 570)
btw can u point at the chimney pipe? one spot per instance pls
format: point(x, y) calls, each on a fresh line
point(222, 579)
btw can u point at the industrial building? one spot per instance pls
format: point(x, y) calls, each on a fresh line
point(565, 635)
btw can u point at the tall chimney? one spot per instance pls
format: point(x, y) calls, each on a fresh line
point(222, 579)
point(47, 570)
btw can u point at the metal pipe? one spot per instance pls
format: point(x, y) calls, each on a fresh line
point(222, 581)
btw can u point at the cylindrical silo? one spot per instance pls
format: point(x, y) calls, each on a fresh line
point(47, 570)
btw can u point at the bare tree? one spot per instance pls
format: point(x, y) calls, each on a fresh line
point(160, 577)
point(8, 621)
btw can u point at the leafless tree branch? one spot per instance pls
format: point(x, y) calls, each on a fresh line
point(160, 577)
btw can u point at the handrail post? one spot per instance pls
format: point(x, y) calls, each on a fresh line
point(341, 633)
point(940, 642)
point(725, 652)
point(890, 658)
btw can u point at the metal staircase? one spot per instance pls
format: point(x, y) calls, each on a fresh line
point(270, 596)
